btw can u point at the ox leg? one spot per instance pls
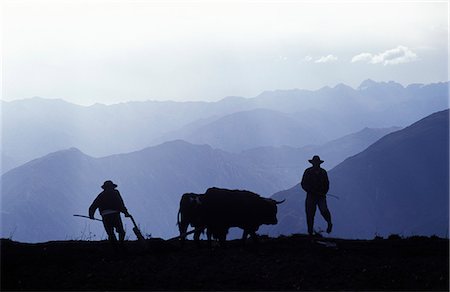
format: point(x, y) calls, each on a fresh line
point(197, 233)
point(182, 228)
point(254, 236)
point(222, 236)
point(222, 239)
point(209, 236)
point(244, 236)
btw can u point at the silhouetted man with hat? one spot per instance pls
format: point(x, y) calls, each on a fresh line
point(315, 183)
point(110, 204)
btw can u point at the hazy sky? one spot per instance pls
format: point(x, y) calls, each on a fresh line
point(113, 51)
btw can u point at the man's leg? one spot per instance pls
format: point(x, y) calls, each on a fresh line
point(109, 228)
point(310, 208)
point(119, 227)
point(322, 202)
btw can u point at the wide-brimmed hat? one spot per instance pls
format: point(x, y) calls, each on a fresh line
point(315, 159)
point(109, 185)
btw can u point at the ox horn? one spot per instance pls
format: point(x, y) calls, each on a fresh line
point(279, 202)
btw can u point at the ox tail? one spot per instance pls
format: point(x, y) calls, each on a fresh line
point(178, 217)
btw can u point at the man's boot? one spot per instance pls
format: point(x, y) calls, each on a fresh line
point(330, 227)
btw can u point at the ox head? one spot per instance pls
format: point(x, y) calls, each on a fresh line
point(269, 216)
point(190, 199)
point(189, 213)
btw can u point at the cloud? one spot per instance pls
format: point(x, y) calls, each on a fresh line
point(326, 59)
point(307, 59)
point(398, 55)
point(363, 57)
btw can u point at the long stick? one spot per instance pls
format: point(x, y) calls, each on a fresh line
point(182, 235)
point(334, 196)
point(76, 215)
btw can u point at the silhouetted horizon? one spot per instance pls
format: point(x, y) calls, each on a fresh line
point(365, 83)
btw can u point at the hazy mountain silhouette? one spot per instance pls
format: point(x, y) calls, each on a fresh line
point(7, 162)
point(336, 151)
point(35, 127)
point(39, 197)
point(249, 129)
point(400, 184)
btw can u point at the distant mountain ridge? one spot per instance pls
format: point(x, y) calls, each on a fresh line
point(249, 129)
point(36, 127)
point(399, 185)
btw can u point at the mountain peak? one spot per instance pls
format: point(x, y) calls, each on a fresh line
point(343, 87)
point(177, 145)
point(230, 99)
point(70, 152)
point(43, 102)
point(367, 84)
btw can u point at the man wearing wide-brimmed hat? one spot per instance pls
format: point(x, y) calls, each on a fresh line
point(110, 204)
point(315, 183)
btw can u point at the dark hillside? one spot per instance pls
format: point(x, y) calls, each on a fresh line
point(285, 263)
point(400, 184)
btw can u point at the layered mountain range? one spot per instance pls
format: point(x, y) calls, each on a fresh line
point(35, 127)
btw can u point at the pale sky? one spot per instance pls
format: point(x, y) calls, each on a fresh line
point(101, 51)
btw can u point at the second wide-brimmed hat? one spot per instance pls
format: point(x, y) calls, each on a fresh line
point(315, 159)
point(109, 185)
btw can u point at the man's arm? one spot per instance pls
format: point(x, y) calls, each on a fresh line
point(326, 184)
point(123, 209)
point(93, 208)
point(305, 182)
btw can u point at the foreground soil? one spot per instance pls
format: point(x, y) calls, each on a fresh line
point(285, 263)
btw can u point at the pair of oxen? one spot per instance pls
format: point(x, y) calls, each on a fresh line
point(217, 210)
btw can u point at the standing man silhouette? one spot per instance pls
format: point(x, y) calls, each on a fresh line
point(110, 204)
point(315, 183)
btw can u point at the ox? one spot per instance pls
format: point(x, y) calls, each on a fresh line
point(190, 213)
point(220, 209)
